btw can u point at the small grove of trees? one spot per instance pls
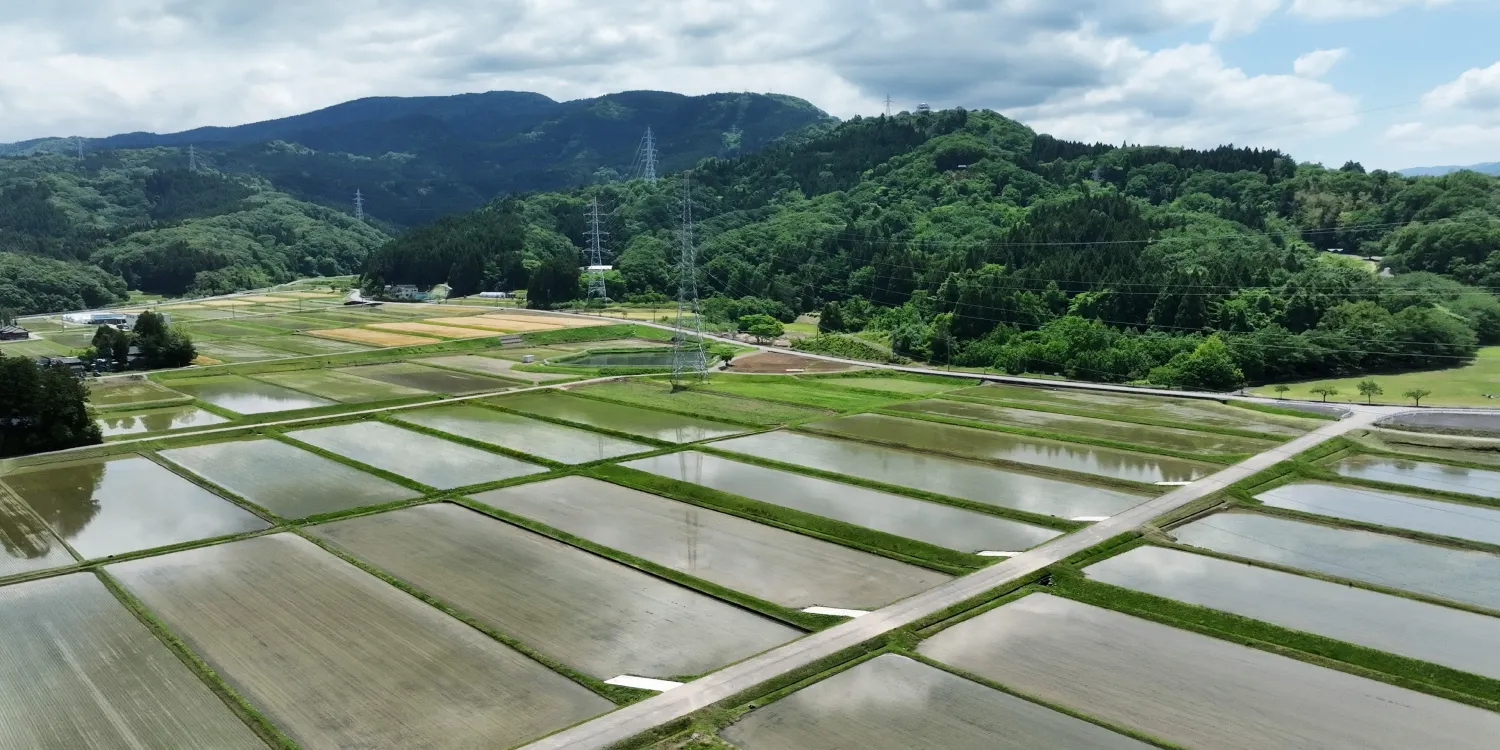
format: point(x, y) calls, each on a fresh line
point(161, 346)
point(42, 409)
point(763, 327)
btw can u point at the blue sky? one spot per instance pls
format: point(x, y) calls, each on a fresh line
point(1390, 83)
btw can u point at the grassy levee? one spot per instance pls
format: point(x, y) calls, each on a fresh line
point(857, 537)
point(1021, 466)
point(616, 694)
point(1112, 417)
point(143, 405)
point(257, 721)
point(1035, 519)
point(1362, 661)
point(957, 379)
point(1280, 411)
point(795, 618)
point(1067, 437)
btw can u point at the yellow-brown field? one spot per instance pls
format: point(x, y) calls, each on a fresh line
point(375, 338)
point(499, 326)
point(259, 298)
point(295, 295)
point(226, 303)
point(428, 329)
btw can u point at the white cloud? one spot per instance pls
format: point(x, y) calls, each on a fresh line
point(1317, 63)
point(1421, 136)
point(1477, 89)
point(1327, 10)
point(1228, 17)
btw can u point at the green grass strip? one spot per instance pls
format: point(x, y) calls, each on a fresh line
point(1112, 417)
point(253, 718)
point(1280, 410)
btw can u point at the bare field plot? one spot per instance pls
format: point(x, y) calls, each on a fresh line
point(122, 391)
point(555, 321)
point(429, 379)
point(656, 394)
point(339, 659)
point(79, 671)
point(373, 338)
point(969, 442)
point(339, 386)
point(26, 544)
point(593, 614)
point(260, 298)
point(943, 525)
point(494, 325)
point(226, 350)
point(1195, 690)
point(895, 703)
point(1421, 474)
point(306, 345)
point(1188, 441)
point(35, 348)
point(428, 329)
point(432, 461)
point(777, 362)
point(288, 481)
point(1388, 509)
point(156, 420)
point(1189, 411)
point(242, 395)
point(775, 565)
point(944, 476)
point(537, 352)
point(1393, 562)
point(290, 322)
point(500, 368)
point(554, 442)
point(673, 428)
point(303, 295)
point(900, 385)
point(104, 508)
point(1450, 637)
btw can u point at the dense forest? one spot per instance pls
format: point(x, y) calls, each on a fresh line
point(965, 237)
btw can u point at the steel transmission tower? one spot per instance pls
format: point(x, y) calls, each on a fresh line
point(192, 158)
point(359, 205)
point(888, 103)
point(648, 157)
point(596, 257)
point(689, 361)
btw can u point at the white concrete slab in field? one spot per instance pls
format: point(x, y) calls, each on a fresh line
point(1090, 519)
point(643, 683)
point(836, 612)
point(1173, 484)
point(994, 553)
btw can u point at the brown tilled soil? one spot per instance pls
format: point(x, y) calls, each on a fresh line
point(768, 362)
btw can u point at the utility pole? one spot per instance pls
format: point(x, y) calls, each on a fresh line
point(192, 158)
point(689, 361)
point(648, 156)
point(359, 205)
point(595, 258)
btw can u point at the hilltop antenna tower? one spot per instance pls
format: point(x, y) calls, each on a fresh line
point(359, 205)
point(689, 361)
point(192, 158)
point(648, 157)
point(596, 258)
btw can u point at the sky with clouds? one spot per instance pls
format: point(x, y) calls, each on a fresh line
point(1390, 83)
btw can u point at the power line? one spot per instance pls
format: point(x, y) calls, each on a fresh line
point(359, 205)
point(596, 265)
point(689, 361)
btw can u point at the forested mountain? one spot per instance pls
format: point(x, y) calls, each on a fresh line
point(966, 237)
point(417, 159)
point(1492, 167)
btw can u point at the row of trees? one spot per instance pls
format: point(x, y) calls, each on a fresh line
point(42, 409)
point(1367, 388)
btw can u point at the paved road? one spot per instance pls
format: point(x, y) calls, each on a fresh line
point(637, 718)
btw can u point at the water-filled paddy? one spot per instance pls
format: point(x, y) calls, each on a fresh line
point(339, 386)
point(554, 442)
point(968, 442)
point(1393, 562)
point(895, 703)
point(673, 428)
point(944, 476)
point(1155, 437)
point(121, 391)
point(945, 526)
point(763, 561)
point(432, 461)
point(661, 358)
point(500, 368)
point(1189, 411)
point(106, 508)
point(230, 350)
point(337, 658)
point(1388, 509)
point(1422, 474)
point(595, 615)
point(79, 671)
point(25, 542)
point(288, 481)
point(1450, 637)
point(430, 379)
point(1194, 690)
point(156, 420)
point(245, 396)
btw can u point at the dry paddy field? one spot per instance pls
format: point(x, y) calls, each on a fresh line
point(430, 379)
point(78, 670)
point(288, 481)
point(502, 368)
point(554, 442)
point(373, 338)
point(593, 614)
point(338, 659)
point(494, 325)
point(339, 386)
point(778, 566)
point(428, 329)
point(1194, 690)
point(422, 458)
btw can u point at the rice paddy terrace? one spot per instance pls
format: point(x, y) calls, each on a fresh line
point(387, 547)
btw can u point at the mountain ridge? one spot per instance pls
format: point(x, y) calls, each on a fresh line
point(1489, 167)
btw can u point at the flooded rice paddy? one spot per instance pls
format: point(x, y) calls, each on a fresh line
point(944, 476)
point(26, 544)
point(156, 420)
point(1393, 562)
point(1195, 690)
point(432, 461)
point(1187, 441)
point(770, 563)
point(1189, 411)
point(554, 442)
point(633, 420)
point(593, 614)
point(106, 508)
point(1450, 637)
point(1389, 509)
point(945, 526)
point(78, 671)
point(339, 386)
point(1422, 474)
point(895, 703)
point(286, 480)
point(968, 442)
point(245, 396)
point(430, 379)
point(337, 658)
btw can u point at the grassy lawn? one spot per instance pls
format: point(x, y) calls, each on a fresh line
point(35, 348)
point(1459, 386)
point(785, 389)
point(810, 329)
point(659, 395)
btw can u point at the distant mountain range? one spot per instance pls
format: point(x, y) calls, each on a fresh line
point(419, 158)
point(1492, 167)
